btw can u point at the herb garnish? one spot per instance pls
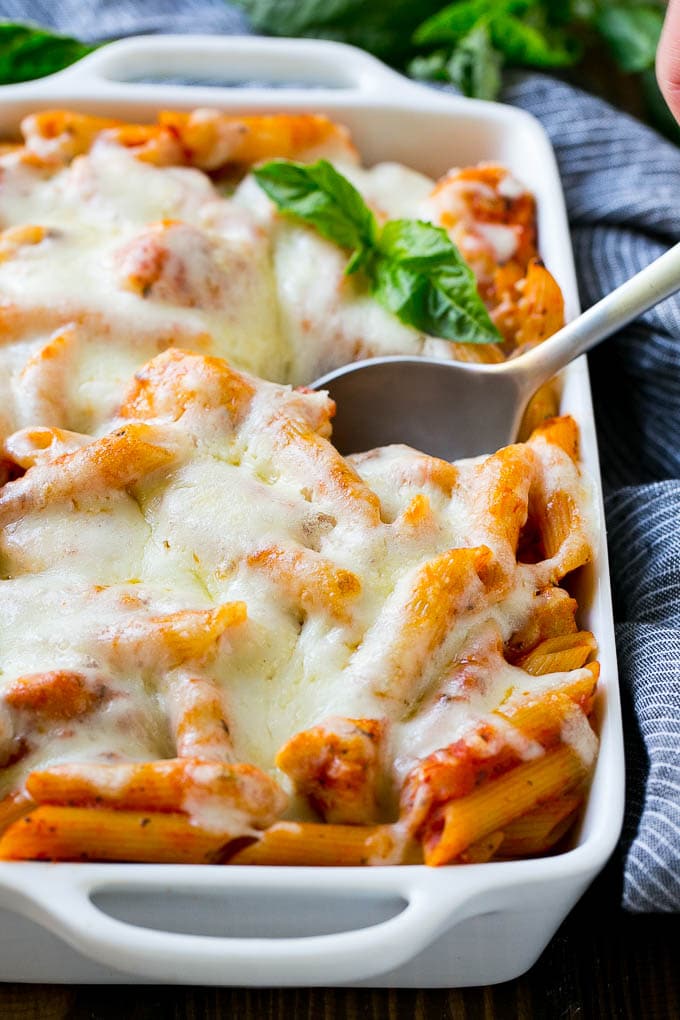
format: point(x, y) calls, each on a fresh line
point(413, 268)
point(28, 52)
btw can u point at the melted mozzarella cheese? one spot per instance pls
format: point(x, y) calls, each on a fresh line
point(136, 257)
point(132, 259)
point(204, 266)
point(89, 578)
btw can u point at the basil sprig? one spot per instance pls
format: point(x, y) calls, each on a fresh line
point(28, 51)
point(413, 268)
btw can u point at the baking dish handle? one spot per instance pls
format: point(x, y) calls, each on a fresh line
point(63, 903)
point(314, 67)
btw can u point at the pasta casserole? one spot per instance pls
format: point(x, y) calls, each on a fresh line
point(118, 241)
point(222, 641)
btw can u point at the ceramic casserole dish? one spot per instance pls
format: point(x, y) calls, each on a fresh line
point(400, 926)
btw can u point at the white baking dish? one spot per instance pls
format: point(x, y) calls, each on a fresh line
point(386, 926)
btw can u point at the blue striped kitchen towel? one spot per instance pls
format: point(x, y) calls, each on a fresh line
point(622, 183)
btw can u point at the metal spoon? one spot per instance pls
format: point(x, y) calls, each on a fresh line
point(454, 409)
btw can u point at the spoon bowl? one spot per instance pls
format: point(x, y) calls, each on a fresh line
point(455, 409)
point(449, 409)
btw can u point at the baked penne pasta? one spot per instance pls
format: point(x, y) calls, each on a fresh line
point(466, 820)
point(187, 251)
point(221, 641)
point(433, 636)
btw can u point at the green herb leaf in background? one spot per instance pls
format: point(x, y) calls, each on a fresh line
point(433, 67)
point(453, 22)
point(27, 52)
point(532, 42)
point(485, 34)
point(475, 66)
point(468, 42)
point(632, 33)
point(383, 27)
point(413, 267)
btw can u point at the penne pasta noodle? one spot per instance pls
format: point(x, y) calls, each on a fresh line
point(500, 801)
point(40, 445)
point(443, 587)
point(540, 310)
point(336, 766)
point(559, 654)
point(115, 461)
point(483, 850)
point(211, 139)
point(553, 614)
point(539, 830)
point(541, 718)
point(14, 238)
point(13, 807)
point(555, 523)
point(506, 478)
point(59, 694)
point(177, 382)
point(198, 719)
point(330, 477)
point(310, 844)
point(307, 580)
point(189, 634)
point(62, 133)
point(144, 786)
point(562, 432)
point(482, 354)
point(103, 834)
point(171, 785)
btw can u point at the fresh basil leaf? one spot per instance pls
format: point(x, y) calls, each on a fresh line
point(317, 194)
point(443, 303)
point(417, 244)
point(361, 258)
point(535, 45)
point(414, 268)
point(384, 27)
point(475, 65)
point(632, 34)
point(422, 277)
point(27, 52)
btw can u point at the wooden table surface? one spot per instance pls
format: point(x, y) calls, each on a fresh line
point(602, 964)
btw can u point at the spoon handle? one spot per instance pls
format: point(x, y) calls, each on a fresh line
point(654, 283)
